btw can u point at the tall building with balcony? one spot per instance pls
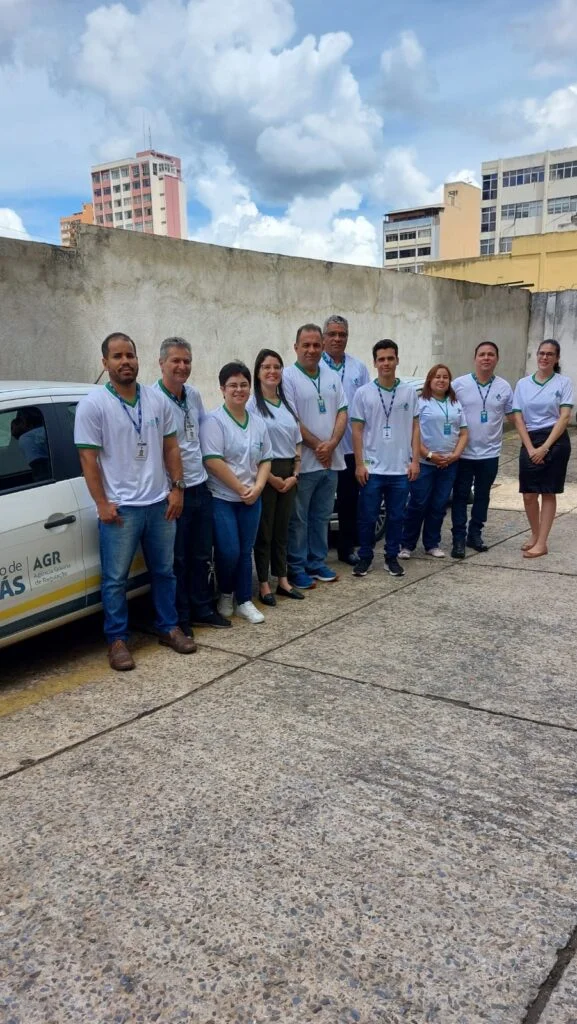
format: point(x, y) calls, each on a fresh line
point(527, 195)
point(439, 231)
point(69, 225)
point(143, 193)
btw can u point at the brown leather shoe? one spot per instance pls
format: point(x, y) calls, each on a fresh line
point(120, 657)
point(179, 642)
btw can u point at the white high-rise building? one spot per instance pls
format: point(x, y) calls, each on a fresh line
point(142, 193)
point(527, 195)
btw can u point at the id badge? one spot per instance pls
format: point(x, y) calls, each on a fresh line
point(484, 416)
point(141, 451)
point(447, 429)
point(322, 406)
point(189, 432)
point(387, 433)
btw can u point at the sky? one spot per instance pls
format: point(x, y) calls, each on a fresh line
point(299, 122)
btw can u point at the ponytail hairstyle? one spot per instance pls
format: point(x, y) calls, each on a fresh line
point(261, 404)
point(557, 347)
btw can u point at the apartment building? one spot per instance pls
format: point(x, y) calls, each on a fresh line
point(69, 225)
point(445, 230)
point(527, 195)
point(143, 193)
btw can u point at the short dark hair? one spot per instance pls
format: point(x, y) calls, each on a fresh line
point(492, 343)
point(557, 347)
point(309, 327)
point(233, 369)
point(385, 343)
point(112, 337)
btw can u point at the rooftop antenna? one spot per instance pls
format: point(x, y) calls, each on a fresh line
point(143, 133)
point(149, 137)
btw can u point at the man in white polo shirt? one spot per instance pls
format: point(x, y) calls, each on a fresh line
point(126, 438)
point(193, 544)
point(316, 394)
point(386, 440)
point(486, 401)
point(353, 375)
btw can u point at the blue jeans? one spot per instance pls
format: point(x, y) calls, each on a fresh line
point(308, 529)
point(482, 473)
point(394, 489)
point(235, 527)
point(428, 498)
point(145, 525)
point(193, 555)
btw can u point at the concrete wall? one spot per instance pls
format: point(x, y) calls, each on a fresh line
point(57, 305)
point(554, 315)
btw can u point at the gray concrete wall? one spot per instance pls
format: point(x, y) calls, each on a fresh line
point(58, 304)
point(554, 315)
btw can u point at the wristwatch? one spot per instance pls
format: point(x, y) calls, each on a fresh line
point(179, 484)
point(429, 456)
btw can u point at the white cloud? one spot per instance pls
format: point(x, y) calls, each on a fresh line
point(466, 174)
point(407, 81)
point(553, 119)
point(400, 183)
point(551, 29)
point(11, 225)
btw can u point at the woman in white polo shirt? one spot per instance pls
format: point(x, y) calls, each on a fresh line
point(236, 451)
point(542, 406)
point(270, 404)
point(444, 435)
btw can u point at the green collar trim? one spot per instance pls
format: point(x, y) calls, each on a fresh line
point(126, 401)
point(242, 426)
point(480, 382)
point(311, 376)
point(276, 404)
point(542, 383)
point(169, 394)
point(382, 386)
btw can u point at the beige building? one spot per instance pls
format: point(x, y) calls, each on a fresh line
point(69, 225)
point(541, 263)
point(445, 230)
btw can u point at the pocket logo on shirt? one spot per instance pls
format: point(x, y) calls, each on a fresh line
point(406, 406)
point(557, 394)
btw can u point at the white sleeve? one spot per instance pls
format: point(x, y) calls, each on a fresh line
point(343, 402)
point(567, 393)
point(463, 418)
point(88, 424)
point(358, 408)
point(517, 398)
point(168, 421)
point(211, 438)
point(290, 391)
point(509, 400)
point(415, 404)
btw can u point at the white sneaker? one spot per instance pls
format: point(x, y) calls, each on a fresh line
point(404, 553)
point(225, 605)
point(249, 612)
point(436, 553)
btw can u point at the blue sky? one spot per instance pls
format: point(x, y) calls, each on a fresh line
point(299, 123)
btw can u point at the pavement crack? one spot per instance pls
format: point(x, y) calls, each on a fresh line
point(547, 988)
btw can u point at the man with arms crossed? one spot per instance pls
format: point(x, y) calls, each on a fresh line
point(486, 401)
point(386, 441)
point(126, 437)
point(353, 375)
point(316, 394)
point(193, 544)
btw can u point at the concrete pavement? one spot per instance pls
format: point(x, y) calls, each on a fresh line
point(363, 810)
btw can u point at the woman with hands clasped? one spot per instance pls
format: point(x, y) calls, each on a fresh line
point(542, 406)
point(270, 404)
point(443, 437)
point(237, 453)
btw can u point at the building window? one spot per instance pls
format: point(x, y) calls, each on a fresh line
point(488, 218)
point(138, 213)
point(128, 214)
point(106, 175)
point(118, 216)
point(505, 244)
point(136, 172)
point(97, 191)
point(425, 251)
point(146, 197)
point(115, 173)
point(392, 238)
point(424, 233)
point(523, 176)
point(139, 227)
point(487, 246)
point(124, 172)
point(118, 202)
point(145, 168)
point(405, 236)
point(405, 254)
point(116, 188)
point(148, 211)
point(392, 254)
point(566, 170)
point(98, 207)
point(568, 204)
point(490, 186)
point(135, 186)
point(100, 220)
point(519, 211)
point(126, 187)
point(155, 168)
point(96, 176)
point(108, 205)
point(108, 217)
point(106, 191)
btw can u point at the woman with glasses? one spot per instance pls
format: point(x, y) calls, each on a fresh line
point(542, 406)
point(237, 453)
point(270, 404)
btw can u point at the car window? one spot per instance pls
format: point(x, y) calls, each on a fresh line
point(24, 453)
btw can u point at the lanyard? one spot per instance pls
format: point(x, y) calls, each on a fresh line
point(182, 403)
point(444, 406)
point(316, 383)
point(137, 426)
point(484, 396)
point(330, 362)
point(386, 411)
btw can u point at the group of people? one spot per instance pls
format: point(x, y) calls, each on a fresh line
point(259, 474)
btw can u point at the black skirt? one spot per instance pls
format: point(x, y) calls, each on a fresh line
point(548, 477)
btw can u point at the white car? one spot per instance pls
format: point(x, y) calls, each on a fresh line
point(49, 558)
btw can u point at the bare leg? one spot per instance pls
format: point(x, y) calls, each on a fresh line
point(548, 510)
point(264, 589)
point(284, 583)
point(531, 502)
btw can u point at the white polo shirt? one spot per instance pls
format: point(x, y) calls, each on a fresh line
point(541, 404)
point(187, 414)
point(308, 396)
point(388, 415)
point(485, 407)
point(104, 422)
point(435, 418)
point(353, 375)
point(242, 446)
point(283, 428)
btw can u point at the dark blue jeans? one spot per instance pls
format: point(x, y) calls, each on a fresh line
point(193, 555)
point(394, 489)
point(308, 528)
point(482, 473)
point(427, 504)
point(235, 527)
point(145, 525)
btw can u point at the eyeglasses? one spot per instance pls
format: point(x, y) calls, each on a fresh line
point(238, 387)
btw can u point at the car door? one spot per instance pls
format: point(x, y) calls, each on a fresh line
point(42, 576)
